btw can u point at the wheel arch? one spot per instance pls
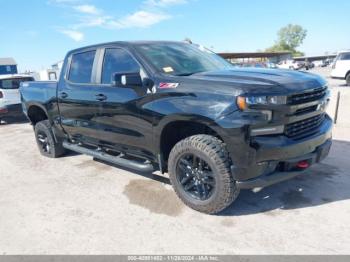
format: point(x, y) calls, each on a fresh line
point(37, 113)
point(347, 74)
point(177, 128)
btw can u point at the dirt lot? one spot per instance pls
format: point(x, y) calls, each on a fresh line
point(74, 205)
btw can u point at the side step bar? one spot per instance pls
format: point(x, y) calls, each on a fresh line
point(131, 164)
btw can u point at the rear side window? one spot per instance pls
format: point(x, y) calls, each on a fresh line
point(344, 56)
point(117, 60)
point(14, 83)
point(81, 67)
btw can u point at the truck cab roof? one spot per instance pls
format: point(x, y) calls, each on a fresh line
point(126, 43)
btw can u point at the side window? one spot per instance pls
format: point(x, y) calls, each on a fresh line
point(345, 56)
point(81, 67)
point(117, 60)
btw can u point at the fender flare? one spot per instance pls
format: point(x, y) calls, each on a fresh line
point(35, 104)
point(178, 117)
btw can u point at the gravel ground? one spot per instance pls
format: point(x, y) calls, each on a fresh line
point(74, 205)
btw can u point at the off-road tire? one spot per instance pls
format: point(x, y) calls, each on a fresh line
point(213, 151)
point(43, 128)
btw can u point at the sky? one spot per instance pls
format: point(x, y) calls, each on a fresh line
point(38, 33)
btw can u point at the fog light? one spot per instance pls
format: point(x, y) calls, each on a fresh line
point(267, 130)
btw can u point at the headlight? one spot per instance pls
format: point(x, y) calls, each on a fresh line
point(256, 100)
point(277, 100)
point(244, 101)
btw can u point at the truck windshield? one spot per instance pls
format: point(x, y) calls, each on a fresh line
point(182, 59)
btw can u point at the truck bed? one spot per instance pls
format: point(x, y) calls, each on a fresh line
point(38, 92)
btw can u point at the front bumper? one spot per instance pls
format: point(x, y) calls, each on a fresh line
point(14, 110)
point(291, 165)
point(267, 154)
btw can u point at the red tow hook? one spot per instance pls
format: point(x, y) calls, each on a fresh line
point(303, 164)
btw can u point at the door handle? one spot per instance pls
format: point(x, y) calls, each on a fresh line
point(63, 95)
point(101, 97)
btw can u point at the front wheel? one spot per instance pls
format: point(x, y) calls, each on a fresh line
point(348, 80)
point(45, 140)
point(199, 170)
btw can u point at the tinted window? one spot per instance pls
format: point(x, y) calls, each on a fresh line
point(13, 83)
point(345, 56)
point(117, 60)
point(81, 67)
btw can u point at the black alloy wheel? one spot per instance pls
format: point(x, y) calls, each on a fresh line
point(46, 141)
point(196, 177)
point(199, 171)
point(43, 142)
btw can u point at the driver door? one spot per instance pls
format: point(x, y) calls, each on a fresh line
point(122, 122)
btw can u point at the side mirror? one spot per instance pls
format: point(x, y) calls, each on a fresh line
point(132, 79)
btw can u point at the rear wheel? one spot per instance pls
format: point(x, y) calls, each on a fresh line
point(348, 79)
point(45, 140)
point(199, 170)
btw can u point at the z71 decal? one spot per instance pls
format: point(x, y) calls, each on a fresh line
point(168, 85)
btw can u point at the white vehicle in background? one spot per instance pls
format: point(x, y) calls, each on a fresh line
point(10, 99)
point(318, 63)
point(47, 75)
point(341, 67)
point(290, 64)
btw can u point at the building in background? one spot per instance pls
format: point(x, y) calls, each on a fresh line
point(254, 58)
point(46, 75)
point(315, 58)
point(8, 66)
point(58, 65)
point(50, 74)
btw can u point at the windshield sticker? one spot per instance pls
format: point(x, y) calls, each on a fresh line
point(168, 69)
point(168, 85)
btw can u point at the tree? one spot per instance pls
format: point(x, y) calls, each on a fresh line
point(289, 38)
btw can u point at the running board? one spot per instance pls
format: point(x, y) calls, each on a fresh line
point(132, 164)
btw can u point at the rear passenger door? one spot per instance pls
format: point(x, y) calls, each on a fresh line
point(121, 120)
point(77, 97)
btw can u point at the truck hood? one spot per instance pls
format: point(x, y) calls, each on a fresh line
point(256, 80)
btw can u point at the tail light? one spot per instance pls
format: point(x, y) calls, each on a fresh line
point(1, 95)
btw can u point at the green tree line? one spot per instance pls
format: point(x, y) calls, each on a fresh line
point(289, 38)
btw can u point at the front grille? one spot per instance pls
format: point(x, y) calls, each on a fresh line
point(306, 110)
point(307, 96)
point(303, 128)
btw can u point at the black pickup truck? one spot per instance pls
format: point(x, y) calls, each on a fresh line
point(179, 108)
